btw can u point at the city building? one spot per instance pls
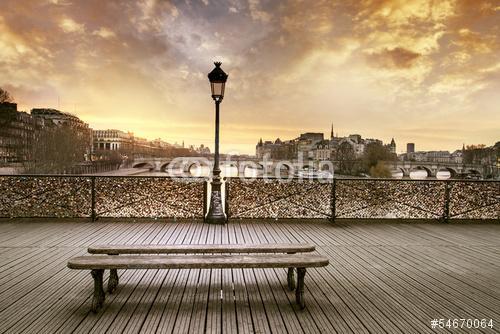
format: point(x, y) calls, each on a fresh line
point(457, 156)
point(203, 150)
point(392, 146)
point(410, 148)
point(433, 156)
point(159, 143)
point(283, 150)
point(53, 118)
point(323, 150)
point(112, 140)
point(17, 132)
point(313, 146)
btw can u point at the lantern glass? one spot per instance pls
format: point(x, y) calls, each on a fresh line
point(217, 89)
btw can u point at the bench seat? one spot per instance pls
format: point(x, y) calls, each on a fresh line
point(290, 248)
point(200, 248)
point(98, 263)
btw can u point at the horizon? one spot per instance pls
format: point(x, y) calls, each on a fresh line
point(400, 148)
point(416, 71)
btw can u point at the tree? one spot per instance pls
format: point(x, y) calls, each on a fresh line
point(346, 158)
point(6, 116)
point(5, 96)
point(114, 157)
point(375, 152)
point(477, 154)
point(55, 150)
point(380, 170)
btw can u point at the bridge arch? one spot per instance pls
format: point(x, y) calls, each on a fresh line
point(164, 167)
point(243, 165)
point(308, 165)
point(453, 172)
point(284, 166)
point(199, 163)
point(473, 172)
point(399, 170)
point(424, 168)
point(144, 165)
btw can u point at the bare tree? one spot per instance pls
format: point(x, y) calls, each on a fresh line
point(56, 150)
point(5, 96)
point(346, 158)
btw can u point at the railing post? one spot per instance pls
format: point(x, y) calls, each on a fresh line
point(204, 199)
point(446, 209)
point(92, 196)
point(226, 197)
point(333, 200)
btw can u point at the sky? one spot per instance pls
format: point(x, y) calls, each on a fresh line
point(422, 71)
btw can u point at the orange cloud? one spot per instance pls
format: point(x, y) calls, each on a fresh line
point(370, 66)
point(393, 58)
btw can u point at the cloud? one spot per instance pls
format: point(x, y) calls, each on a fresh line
point(393, 58)
point(256, 13)
point(68, 25)
point(104, 33)
point(362, 64)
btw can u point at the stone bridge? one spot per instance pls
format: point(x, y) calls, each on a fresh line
point(267, 166)
point(432, 168)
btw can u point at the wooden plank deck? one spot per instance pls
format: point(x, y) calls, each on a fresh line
point(382, 278)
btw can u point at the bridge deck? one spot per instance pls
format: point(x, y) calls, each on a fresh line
point(392, 278)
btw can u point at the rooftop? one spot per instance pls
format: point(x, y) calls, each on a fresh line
point(382, 277)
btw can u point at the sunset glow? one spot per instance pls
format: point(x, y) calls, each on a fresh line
point(420, 71)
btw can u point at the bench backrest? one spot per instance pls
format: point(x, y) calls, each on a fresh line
point(200, 248)
point(198, 261)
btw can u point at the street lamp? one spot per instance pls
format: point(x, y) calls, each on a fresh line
point(217, 84)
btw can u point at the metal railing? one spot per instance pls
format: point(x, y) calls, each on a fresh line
point(166, 197)
point(363, 199)
point(73, 196)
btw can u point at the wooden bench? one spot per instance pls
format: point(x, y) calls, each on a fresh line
point(199, 249)
point(97, 265)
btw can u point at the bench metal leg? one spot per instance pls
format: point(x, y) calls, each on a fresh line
point(299, 292)
point(99, 296)
point(291, 278)
point(113, 280)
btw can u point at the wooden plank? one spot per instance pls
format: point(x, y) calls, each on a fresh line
point(167, 318)
point(181, 324)
point(80, 318)
point(243, 317)
point(161, 307)
point(214, 316)
point(200, 248)
point(295, 320)
point(334, 309)
point(409, 272)
point(345, 288)
point(199, 261)
point(257, 310)
point(197, 319)
point(62, 312)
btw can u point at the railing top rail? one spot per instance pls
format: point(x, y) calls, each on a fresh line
point(103, 176)
point(229, 178)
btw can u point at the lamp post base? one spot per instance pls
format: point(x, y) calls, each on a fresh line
point(216, 213)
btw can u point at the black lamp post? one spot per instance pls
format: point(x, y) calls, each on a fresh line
point(217, 83)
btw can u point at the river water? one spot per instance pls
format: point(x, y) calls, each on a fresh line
point(231, 171)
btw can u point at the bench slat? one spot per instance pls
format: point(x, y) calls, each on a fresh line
point(198, 261)
point(202, 248)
